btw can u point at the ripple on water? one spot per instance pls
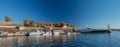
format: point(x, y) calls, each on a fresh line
point(73, 40)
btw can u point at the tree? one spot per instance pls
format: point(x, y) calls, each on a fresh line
point(57, 25)
point(73, 27)
point(62, 24)
point(26, 22)
point(8, 19)
point(32, 24)
point(68, 25)
point(51, 24)
point(42, 24)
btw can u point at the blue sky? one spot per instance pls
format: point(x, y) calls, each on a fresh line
point(94, 13)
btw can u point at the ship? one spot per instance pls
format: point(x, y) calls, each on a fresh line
point(89, 30)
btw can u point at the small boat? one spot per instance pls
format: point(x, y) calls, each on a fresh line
point(16, 34)
point(19, 34)
point(64, 32)
point(69, 33)
point(37, 32)
point(47, 33)
point(3, 34)
point(56, 33)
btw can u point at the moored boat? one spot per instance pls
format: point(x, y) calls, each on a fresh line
point(37, 32)
point(3, 34)
point(16, 34)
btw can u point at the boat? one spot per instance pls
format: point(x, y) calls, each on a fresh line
point(89, 30)
point(37, 32)
point(3, 34)
point(7, 34)
point(19, 34)
point(47, 33)
point(16, 34)
point(56, 33)
point(65, 32)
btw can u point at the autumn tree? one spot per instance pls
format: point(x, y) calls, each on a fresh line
point(73, 27)
point(8, 19)
point(51, 24)
point(26, 22)
point(42, 24)
point(57, 25)
point(62, 24)
point(32, 24)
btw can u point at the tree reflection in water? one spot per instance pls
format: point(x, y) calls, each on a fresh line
point(36, 41)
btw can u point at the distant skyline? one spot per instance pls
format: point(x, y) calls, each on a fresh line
point(94, 13)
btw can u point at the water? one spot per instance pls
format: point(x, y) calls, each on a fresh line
point(73, 40)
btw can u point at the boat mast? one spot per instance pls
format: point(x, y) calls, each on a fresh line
point(109, 30)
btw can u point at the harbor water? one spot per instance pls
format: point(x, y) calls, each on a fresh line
point(70, 40)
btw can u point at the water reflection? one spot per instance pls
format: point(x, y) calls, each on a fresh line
point(72, 40)
point(36, 41)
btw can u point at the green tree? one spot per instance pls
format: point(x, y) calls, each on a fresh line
point(8, 19)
